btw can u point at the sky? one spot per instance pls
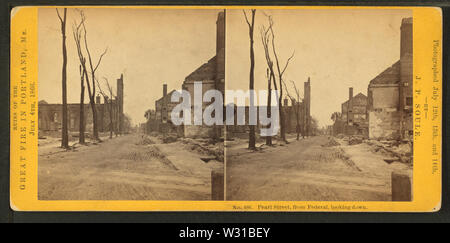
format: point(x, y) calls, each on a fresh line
point(149, 46)
point(337, 49)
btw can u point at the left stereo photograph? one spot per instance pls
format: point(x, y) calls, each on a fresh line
point(110, 83)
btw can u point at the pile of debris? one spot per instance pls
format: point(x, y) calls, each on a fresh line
point(396, 150)
point(206, 147)
point(353, 140)
point(145, 140)
point(331, 142)
point(169, 139)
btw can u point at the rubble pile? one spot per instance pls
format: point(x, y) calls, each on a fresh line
point(397, 150)
point(145, 140)
point(331, 142)
point(205, 147)
point(340, 136)
point(169, 139)
point(354, 140)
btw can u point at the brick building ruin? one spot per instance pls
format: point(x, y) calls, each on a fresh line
point(353, 118)
point(50, 115)
point(159, 119)
point(211, 75)
point(386, 112)
point(390, 98)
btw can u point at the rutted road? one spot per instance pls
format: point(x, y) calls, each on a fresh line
point(307, 171)
point(123, 169)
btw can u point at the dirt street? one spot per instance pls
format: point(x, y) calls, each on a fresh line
point(307, 171)
point(124, 168)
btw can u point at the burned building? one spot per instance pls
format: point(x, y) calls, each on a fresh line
point(390, 97)
point(212, 76)
point(159, 120)
point(354, 115)
point(50, 115)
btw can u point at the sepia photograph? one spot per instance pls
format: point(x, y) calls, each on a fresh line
point(338, 84)
point(108, 80)
point(301, 105)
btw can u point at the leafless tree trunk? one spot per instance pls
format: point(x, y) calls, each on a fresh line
point(280, 80)
point(79, 31)
point(268, 36)
point(269, 103)
point(81, 129)
point(280, 73)
point(265, 39)
point(251, 136)
point(65, 132)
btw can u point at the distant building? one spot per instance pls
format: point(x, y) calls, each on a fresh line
point(160, 120)
point(353, 117)
point(390, 97)
point(50, 115)
point(354, 114)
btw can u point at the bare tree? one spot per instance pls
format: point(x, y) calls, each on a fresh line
point(280, 72)
point(268, 37)
point(81, 139)
point(265, 39)
point(296, 105)
point(251, 25)
point(109, 103)
point(80, 35)
point(65, 132)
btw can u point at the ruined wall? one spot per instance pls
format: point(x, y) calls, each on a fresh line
point(384, 124)
point(390, 93)
point(212, 76)
point(384, 97)
point(406, 77)
point(201, 130)
point(50, 117)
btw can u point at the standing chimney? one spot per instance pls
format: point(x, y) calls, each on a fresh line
point(406, 42)
point(220, 51)
point(164, 90)
point(350, 106)
point(164, 111)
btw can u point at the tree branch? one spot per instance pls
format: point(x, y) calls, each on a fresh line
point(287, 62)
point(100, 59)
point(59, 16)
